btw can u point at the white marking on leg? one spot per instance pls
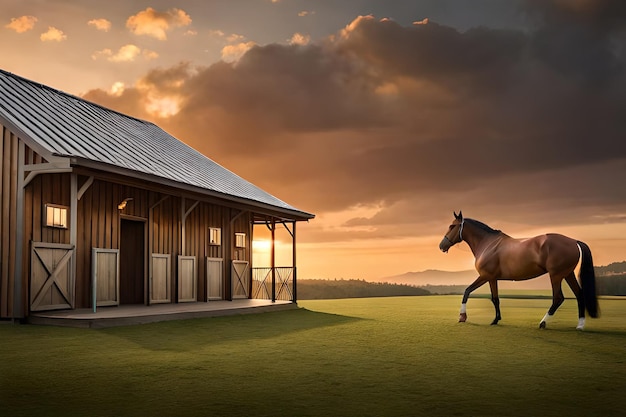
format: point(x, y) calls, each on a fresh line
point(547, 317)
point(463, 308)
point(581, 323)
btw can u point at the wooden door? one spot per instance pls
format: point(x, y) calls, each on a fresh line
point(187, 278)
point(105, 278)
point(240, 279)
point(132, 261)
point(51, 280)
point(215, 278)
point(160, 280)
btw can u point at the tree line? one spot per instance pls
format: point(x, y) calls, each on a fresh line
point(607, 283)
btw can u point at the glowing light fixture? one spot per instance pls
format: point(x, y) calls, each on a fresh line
point(122, 205)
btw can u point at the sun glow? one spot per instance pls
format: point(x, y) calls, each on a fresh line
point(262, 245)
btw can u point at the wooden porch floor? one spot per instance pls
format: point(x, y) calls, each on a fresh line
point(126, 315)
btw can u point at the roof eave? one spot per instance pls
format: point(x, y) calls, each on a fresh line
point(284, 213)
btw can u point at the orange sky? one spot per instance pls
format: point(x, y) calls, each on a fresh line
point(380, 117)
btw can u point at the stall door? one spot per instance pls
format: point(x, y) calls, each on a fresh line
point(187, 279)
point(240, 279)
point(214, 278)
point(51, 281)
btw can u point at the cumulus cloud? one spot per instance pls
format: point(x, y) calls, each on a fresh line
point(417, 120)
point(299, 39)
point(232, 53)
point(53, 35)
point(100, 24)
point(126, 53)
point(151, 22)
point(21, 24)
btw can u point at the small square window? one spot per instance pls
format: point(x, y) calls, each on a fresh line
point(215, 236)
point(56, 216)
point(240, 240)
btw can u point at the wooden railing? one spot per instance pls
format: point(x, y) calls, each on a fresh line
point(283, 288)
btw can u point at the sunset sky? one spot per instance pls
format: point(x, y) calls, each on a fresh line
point(380, 116)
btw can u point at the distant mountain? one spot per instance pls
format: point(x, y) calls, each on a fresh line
point(465, 278)
point(432, 277)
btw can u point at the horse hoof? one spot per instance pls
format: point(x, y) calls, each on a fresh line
point(495, 322)
point(542, 325)
point(462, 318)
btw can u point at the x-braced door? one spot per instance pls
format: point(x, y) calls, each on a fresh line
point(240, 279)
point(51, 280)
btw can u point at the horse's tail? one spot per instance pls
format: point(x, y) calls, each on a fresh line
point(587, 278)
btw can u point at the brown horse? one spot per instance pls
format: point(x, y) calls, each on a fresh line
point(501, 257)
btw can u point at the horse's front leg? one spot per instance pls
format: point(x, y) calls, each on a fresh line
point(493, 284)
point(474, 285)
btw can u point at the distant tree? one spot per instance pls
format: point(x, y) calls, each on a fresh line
point(314, 289)
point(611, 284)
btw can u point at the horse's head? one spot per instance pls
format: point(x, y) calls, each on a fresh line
point(454, 234)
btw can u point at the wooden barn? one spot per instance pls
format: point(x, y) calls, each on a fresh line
point(101, 209)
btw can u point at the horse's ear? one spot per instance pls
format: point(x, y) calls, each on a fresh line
point(460, 214)
point(456, 216)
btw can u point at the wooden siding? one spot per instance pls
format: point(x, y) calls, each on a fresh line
point(8, 219)
point(99, 221)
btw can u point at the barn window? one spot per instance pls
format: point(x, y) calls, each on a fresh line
point(56, 216)
point(240, 240)
point(215, 236)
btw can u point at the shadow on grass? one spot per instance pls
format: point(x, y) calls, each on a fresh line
point(183, 335)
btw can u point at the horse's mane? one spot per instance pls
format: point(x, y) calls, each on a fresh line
point(483, 226)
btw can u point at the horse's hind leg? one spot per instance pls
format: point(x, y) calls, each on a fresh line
point(557, 300)
point(573, 284)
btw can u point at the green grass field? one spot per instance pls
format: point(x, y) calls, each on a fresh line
point(404, 356)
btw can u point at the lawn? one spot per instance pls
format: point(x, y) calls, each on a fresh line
point(401, 356)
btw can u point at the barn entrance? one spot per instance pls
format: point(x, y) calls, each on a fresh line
point(132, 261)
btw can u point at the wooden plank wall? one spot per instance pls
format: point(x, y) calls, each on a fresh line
point(98, 226)
point(8, 214)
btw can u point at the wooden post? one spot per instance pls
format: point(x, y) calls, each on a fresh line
point(293, 262)
point(273, 256)
point(73, 232)
point(18, 309)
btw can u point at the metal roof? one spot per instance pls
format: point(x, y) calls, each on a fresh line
point(68, 126)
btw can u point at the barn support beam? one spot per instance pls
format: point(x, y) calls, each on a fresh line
point(18, 309)
point(185, 213)
point(292, 232)
point(73, 232)
point(293, 260)
point(85, 187)
point(273, 259)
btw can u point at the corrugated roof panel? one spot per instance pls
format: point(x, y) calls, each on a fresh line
point(68, 126)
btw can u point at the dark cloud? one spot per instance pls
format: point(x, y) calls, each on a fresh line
point(419, 120)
